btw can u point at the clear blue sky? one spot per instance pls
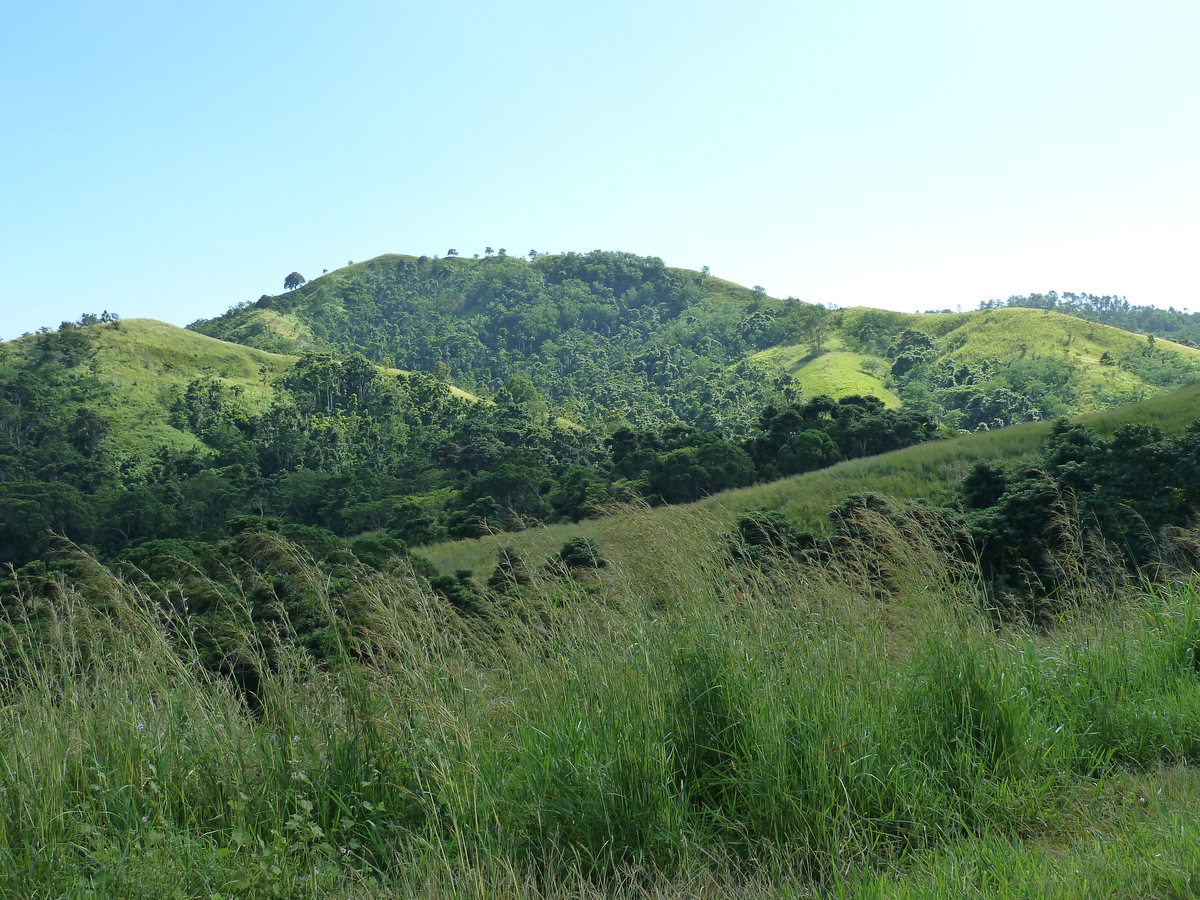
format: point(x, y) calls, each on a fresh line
point(170, 160)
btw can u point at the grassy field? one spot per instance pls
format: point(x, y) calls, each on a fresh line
point(665, 727)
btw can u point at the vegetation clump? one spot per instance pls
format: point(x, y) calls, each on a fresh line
point(581, 553)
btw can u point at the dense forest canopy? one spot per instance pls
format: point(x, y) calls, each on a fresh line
point(604, 338)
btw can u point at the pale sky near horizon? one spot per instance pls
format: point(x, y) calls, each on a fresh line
point(170, 161)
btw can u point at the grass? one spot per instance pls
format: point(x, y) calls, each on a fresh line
point(838, 373)
point(142, 363)
point(930, 471)
point(665, 727)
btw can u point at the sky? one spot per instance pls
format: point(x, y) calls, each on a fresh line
point(172, 160)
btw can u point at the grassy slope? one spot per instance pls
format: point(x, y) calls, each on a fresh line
point(1007, 333)
point(926, 471)
point(667, 727)
point(838, 373)
point(142, 363)
point(973, 337)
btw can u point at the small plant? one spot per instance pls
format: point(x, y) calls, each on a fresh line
point(461, 592)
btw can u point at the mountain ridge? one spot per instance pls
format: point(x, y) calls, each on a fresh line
point(668, 333)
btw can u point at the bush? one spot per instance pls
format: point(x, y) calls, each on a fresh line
point(581, 553)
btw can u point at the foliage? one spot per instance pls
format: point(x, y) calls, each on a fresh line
point(339, 444)
point(581, 553)
point(788, 736)
point(1101, 501)
point(604, 338)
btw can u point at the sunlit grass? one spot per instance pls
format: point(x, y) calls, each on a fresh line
point(837, 374)
point(667, 726)
point(930, 471)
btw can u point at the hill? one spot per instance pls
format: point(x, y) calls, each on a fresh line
point(130, 371)
point(133, 371)
point(927, 472)
point(612, 339)
point(118, 433)
point(795, 687)
point(1180, 326)
point(126, 432)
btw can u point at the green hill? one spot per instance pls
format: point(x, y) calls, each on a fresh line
point(260, 689)
point(317, 408)
point(611, 338)
point(130, 431)
point(136, 369)
point(132, 372)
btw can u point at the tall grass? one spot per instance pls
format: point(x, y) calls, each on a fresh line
point(668, 726)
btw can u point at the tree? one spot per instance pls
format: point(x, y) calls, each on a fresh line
point(488, 251)
point(451, 252)
point(293, 281)
point(820, 329)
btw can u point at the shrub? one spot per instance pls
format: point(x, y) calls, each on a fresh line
point(581, 553)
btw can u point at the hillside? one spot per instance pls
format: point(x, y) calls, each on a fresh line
point(331, 406)
point(133, 430)
point(611, 339)
point(799, 646)
point(131, 370)
point(137, 369)
point(1181, 326)
point(693, 711)
point(927, 472)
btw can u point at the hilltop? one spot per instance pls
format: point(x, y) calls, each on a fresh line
point(610, 339)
